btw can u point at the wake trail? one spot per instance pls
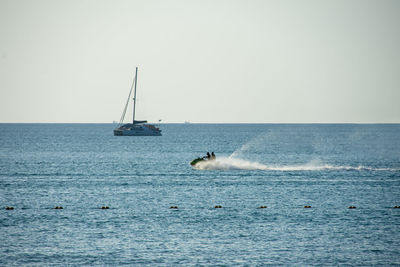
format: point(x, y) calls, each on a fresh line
point(222, 163)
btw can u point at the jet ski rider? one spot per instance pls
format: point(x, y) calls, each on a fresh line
point(210, 157)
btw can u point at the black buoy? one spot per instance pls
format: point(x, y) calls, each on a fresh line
point(9, 208)
point(262, 207)
point(307, 207)
point(396, 207)
point(105, 207)
point(352, 207)
point(217, 207)
point(58, 208)
point(173, 207)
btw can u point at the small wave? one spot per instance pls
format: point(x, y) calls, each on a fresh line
point(240, 164)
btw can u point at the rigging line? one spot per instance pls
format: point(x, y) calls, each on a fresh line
point(127, 102)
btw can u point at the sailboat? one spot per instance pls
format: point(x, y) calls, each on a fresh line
point(136, 128)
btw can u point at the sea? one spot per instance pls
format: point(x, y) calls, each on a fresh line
point(276, 195)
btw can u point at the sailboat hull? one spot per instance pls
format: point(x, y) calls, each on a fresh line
point(137, 130)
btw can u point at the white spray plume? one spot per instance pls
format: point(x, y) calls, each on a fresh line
point(229, 163)
point(253, 143)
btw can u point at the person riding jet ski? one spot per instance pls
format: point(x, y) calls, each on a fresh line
point(205, 158)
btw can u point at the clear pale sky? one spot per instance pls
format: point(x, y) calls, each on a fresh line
point(254, 61)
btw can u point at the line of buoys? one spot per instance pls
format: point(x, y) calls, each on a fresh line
point(176, 207)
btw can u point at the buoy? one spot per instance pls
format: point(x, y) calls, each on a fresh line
point(217, 206)
point(105, 207)
point(9, 208)
point(307, 207)
point(396, 207)
point(58, 208)
point(173, 207)
point(352, 207)
point(262, 207)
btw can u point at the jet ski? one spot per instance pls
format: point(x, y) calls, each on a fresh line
point(195, 161)
point(206, 158)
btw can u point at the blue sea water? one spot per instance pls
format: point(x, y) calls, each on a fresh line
point(285, 167)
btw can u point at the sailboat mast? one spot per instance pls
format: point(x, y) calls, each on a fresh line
point(134, 97)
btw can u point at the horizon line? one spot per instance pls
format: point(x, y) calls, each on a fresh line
point(205, 122)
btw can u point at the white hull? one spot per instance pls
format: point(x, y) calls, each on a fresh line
point(137, 130)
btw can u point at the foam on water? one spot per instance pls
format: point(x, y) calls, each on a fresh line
point(235, 161)
point(229, 163)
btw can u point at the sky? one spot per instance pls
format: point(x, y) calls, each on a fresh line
point(208, 61)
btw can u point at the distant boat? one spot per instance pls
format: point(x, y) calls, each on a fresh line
point(136, 128)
